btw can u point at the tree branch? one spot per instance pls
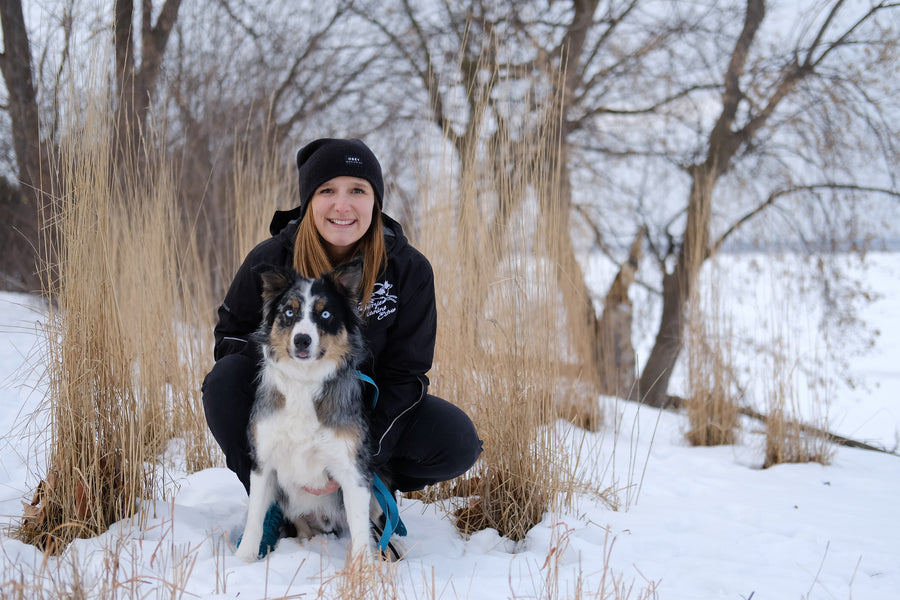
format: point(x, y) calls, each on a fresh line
point(233, 16)
point(831, 437)
point(155, 37)
point(605, 110)
point(774, 196)
point(723, 142)
point(811, 62)
point(311, 47)
point(795, 71)
point(756, 12)
point(425, 74)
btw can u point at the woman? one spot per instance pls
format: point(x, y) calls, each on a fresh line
point(417, 439)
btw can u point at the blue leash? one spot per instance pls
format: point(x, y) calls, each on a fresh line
point(393, 523)
point(362, 376)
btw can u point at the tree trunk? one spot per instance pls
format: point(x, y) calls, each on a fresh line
point(136, 85)
point(723, 144)
point(677, 286)
point(123, 40)
point(654, 382)
point(20, 212)
point(612, 347)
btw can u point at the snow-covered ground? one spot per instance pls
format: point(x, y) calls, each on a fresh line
point(702, 523)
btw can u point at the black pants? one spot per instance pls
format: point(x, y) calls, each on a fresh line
point(438, 444)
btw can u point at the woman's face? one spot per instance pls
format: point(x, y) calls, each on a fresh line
point(342, 212)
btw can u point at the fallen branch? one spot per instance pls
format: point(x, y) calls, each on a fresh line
point(832, 437)
point(676, 402)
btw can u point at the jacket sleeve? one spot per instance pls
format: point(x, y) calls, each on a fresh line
point(403, 362)
point(240, 313)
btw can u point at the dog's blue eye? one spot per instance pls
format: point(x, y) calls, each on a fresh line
point(289, 313)
point(326, 314)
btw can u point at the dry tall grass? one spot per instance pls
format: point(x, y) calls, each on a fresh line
point(711, 405)
point(788, 440)
point(123, 348)
point(503, 345)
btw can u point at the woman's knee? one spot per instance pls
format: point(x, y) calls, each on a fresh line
point(228, 393)
point(231, 375)
point(451, 433)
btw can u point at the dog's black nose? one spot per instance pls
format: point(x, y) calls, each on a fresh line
point(302, 341)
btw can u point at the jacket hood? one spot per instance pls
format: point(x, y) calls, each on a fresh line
point(282, 218)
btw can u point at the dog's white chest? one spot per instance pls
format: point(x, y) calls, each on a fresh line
point(299, 449)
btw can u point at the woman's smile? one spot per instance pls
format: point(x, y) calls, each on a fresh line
point(342, 222)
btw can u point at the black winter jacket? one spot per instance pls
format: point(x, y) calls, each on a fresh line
point(400, 324)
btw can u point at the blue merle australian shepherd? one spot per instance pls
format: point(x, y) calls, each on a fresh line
point(307, 425)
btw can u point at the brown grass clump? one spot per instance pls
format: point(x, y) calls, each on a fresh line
point(788, 440)
point(712, 413)
point(363, 579)
point(711, 406)
point(124, 360)
point(505, 350)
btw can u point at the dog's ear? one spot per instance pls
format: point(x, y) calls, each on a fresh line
point(347, 278)
point(274, 280)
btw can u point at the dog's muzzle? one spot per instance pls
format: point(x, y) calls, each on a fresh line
point(302, 343)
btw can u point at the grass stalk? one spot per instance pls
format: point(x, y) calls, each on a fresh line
point(122, 342)
point(711, 405)
point(504, 351)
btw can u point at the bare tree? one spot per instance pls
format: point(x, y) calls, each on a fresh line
point(286, 63)
point(136, 83)
point(35, 125)
point(772, 106)
point(567, 59)
point(20, 209)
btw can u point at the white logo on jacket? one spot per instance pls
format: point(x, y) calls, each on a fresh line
point(383, 302)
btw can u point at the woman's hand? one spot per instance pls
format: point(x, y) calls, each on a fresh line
point(330, 487)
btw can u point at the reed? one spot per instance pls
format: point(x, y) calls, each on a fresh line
point(505, 352)
point(788, 438)
point(796, 419)
point(123, 341)
point(711, 405)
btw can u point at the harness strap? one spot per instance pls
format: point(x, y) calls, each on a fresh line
point(387, 502)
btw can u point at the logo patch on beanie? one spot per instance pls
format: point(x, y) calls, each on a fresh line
point(353, 161)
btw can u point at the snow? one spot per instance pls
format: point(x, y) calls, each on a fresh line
point(700, 523)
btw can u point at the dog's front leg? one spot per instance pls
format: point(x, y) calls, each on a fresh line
point(357, 498)
point(262, 493)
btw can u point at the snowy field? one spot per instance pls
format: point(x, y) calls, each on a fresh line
point(700, 523)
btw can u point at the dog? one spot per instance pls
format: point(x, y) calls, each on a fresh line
point(308, 425)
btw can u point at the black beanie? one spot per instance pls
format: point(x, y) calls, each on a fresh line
point(327, 158)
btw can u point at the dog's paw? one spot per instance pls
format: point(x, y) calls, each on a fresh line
point(396, 550)
point(246, 554)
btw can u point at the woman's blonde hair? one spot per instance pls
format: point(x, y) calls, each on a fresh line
point(311, 260)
